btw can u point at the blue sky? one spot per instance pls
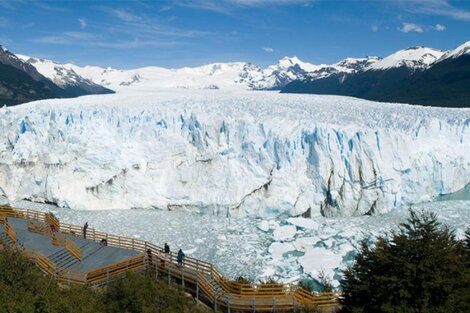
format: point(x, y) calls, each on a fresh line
point(176, 33)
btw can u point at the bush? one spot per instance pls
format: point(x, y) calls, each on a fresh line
point(419, 268)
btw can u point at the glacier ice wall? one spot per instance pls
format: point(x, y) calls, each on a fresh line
point(259, 153)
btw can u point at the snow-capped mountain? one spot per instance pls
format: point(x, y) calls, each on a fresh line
point(64, 77)
point(238, 75)
point(26, 79)
point(416, 75)
point(20, 82)
point(461, 50)
point(415, 58)
point(333, 78)
point(10, 59)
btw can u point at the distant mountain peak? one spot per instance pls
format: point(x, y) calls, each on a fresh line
point(463, 49)
point(414, 58)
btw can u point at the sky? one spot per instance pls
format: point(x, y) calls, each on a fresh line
point(178, 33)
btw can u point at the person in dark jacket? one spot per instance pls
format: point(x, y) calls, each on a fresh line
point(167, 248)
point(85, 227)
point(180, 257)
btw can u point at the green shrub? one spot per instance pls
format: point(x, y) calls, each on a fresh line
point(421, 268)
point(25, 289)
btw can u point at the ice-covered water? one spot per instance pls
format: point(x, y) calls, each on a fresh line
point(286, 249)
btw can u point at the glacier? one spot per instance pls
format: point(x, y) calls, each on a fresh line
point(230, 153)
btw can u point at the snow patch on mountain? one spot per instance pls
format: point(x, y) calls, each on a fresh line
point(415, 58)
point(236, 75)
point(458, 52)
point(58, 73)
point(232, 153)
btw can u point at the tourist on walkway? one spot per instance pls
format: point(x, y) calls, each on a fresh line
point(85, 227)
point(167, 248)
point(180, 257)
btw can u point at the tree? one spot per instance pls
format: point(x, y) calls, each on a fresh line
point(421, 267)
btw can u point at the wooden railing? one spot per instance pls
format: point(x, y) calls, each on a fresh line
point(52, 220)
point(41, 260)
point(9, 230)
point(61, 240)
point(234, 295)
point(37, 227)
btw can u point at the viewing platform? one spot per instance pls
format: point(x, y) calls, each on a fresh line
point(61, 251)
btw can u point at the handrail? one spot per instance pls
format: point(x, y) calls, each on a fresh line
point(52, 220)
point(234, 295)
point(41, 260)
point(61, 240)
point(10, 231)
point(37, 227)
point(73, 248)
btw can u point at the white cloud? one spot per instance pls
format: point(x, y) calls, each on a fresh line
point(125, 15)
point(440, 27)
point(435, 7)
point(269, 50)
point(227, 6)
point(92, 40)
point(410, 27)
point(374, 28)
point(263, 2)
point(82, 22)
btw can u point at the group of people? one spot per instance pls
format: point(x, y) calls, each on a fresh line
point(179, 258)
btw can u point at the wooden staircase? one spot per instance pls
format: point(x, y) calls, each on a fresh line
point(200, 278)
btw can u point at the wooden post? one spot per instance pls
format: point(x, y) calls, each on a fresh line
point(197, 287)
point(169, 276)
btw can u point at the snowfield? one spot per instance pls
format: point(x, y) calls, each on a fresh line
point(232, 153)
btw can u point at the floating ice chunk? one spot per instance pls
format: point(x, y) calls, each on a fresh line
point(263, 225)
point(318, 260)
point(190, 251)
point(269, 272)
point(278, 249)
point(303, 222)
point(285, 233)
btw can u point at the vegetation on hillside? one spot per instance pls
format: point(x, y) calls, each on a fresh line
point(23, 288)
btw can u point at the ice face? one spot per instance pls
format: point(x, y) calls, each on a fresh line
point(255, 153)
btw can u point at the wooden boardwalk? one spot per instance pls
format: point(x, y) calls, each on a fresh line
point(64, 254)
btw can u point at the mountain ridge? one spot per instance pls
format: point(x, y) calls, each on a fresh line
point(416, 75)
point(289, 74)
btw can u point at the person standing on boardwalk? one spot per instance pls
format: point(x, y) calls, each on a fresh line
point(85, 227)
point(180, 257)
point(167, 248)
